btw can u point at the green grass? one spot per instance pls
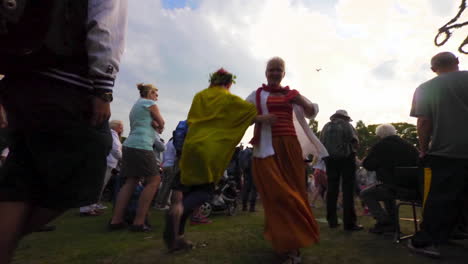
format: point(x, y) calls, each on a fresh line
point(237, 239)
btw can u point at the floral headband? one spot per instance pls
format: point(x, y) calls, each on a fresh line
point(222, 76)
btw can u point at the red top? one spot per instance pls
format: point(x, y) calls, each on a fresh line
point(279, 106)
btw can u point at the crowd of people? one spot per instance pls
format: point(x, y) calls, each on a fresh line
point(63, 151)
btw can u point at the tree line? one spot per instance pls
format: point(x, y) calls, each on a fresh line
point(367, 137)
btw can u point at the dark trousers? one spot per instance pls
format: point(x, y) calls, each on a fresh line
point(192, 200)
point(343, 169)
point(249, 190)
point(373, 195)
point(445, 200)
point(162, 197)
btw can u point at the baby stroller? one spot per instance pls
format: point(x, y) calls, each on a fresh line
point(224, 199)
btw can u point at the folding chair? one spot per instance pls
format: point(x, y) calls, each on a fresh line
point(412, 189)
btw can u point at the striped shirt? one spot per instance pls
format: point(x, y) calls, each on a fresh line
point(283, 110)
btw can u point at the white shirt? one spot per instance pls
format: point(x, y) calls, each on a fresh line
point(310, 144)
point(116, 153)
point(5, 152)
point(169, 156)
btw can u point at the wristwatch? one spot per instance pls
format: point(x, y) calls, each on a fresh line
point(105, 96)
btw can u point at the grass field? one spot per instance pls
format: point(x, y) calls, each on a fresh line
point(236, 239)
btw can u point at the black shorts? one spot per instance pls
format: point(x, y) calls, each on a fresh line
point(57, 159)
point(138, 163)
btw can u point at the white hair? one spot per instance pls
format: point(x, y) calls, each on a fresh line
point(115, 123)
point(385, 130)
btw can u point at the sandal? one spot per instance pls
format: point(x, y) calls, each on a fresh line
point(182, 244)
point(114, 227)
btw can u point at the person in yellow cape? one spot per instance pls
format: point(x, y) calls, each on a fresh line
point(217, 121)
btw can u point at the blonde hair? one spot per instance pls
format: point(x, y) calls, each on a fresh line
point(278, 60)
point(115, 123)
point(145, 88)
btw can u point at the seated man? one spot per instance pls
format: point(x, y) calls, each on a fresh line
point(390, 152)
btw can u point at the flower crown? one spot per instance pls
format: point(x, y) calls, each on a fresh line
point(221, 77)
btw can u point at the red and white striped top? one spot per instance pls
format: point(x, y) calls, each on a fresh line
point(283, 110)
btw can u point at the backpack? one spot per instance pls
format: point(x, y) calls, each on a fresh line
point(37, 33)
point(336, 136)
point(178, 136)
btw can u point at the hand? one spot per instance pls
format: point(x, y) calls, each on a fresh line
point(297, 99)
point(267, 119)
point(155, 124)
point(3, 118)
point(422, 154)
point(157, 127)
point(294, 97)
point(100, 112)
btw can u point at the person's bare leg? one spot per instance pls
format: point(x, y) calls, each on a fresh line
point(314, 196)
point(122, 200)
point(146, 197)
point(14, 216)
point(173, 217)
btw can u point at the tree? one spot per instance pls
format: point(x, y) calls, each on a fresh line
point(408, 132)
point(368, 138)
point(313, 124)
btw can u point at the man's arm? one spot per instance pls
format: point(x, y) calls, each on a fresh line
point(371, 162)
point(3, 117)
point(424, 128)
point(105, 40)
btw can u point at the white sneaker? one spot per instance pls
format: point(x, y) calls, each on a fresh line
point(100, 206)
point(161, 208)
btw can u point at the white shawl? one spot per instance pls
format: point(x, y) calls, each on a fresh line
point(310, 144)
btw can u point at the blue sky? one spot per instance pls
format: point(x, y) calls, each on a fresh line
point(172, 4)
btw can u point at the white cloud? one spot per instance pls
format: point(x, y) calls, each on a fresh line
point(176, 50)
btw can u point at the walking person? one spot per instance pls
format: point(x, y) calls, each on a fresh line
point(168, 175)
point(320, 182)
point(280, 146)
point(139, 160)
point(341, 140)
point(217, 120)
point(57, 99)
point(249, 191)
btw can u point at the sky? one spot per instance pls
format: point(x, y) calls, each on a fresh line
point(372, 54)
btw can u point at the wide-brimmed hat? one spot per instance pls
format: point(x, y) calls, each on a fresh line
point(341, 113)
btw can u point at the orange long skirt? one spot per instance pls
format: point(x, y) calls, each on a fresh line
point(280, 181)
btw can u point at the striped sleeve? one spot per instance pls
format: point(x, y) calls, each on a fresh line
point(107, 22)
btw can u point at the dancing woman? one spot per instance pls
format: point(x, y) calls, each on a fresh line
point(217, 121)
point(278, 163)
